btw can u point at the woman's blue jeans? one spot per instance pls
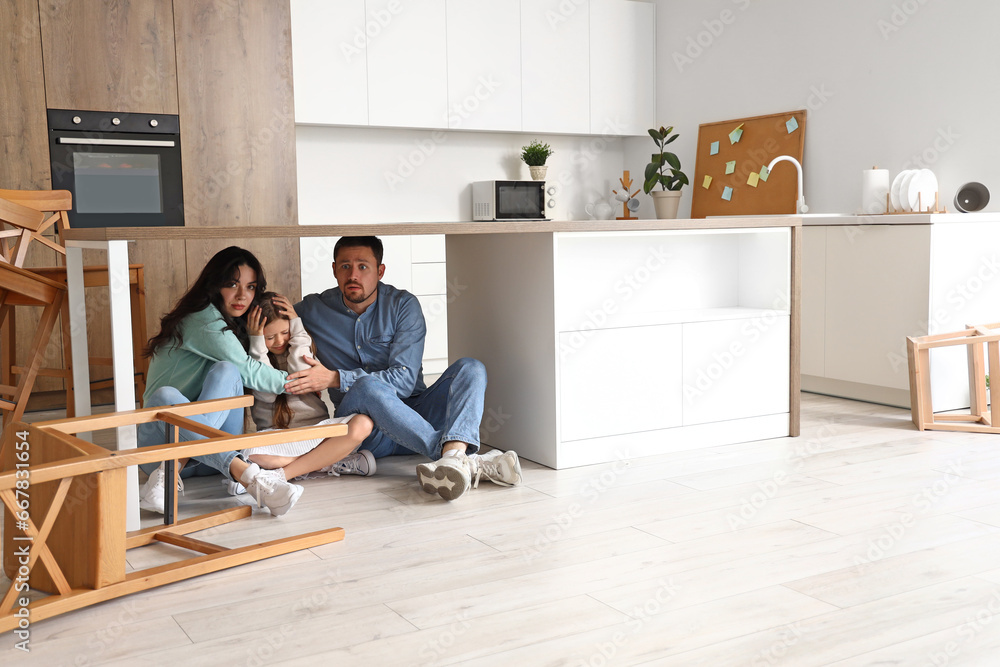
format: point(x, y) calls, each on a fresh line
point(450, 409)
point(223, 381)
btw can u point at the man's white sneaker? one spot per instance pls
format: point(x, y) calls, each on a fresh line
point(499, 467)
point(449, 476)
point(154, 490)
point(361, 462)
point(270, 489)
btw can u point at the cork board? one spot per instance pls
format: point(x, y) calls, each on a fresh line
point(763, 139)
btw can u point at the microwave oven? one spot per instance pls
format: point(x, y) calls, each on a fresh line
point(508, 200)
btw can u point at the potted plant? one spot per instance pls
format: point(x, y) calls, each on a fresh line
point(534, 155)
point(665, 170)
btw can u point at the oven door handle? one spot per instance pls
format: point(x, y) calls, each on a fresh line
point(115, 142)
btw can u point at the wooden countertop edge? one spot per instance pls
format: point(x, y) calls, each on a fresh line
point(390, 229)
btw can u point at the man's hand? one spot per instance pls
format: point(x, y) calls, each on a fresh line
point(315, 379)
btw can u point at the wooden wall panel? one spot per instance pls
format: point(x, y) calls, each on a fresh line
point(24, 149)
point(234, 60)
point(109, 55)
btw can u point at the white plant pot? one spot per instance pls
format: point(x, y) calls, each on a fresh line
point(538, 172)
point(666, 202)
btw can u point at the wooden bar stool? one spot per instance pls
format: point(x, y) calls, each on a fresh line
point(29, 214)
point(20, 287)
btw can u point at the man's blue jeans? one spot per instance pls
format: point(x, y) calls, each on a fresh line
point(450, 409)
point(223, 381)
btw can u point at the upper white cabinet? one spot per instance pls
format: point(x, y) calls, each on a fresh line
point(408, 64)
point(545, 66)
point(329, 57)
point(555, 70)
point(484, 64)
point(622, 71)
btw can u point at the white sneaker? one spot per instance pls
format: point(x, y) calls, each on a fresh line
point(499, 467)
point(270, 489)
point(361, 462)
point(449, 476)
point(233, 487)
point(154, 490)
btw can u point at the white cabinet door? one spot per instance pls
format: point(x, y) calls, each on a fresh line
point(555, 71)
point(407, 64)
point(622, 72)
point(484, 64)
point(606, 389)
point(329, 59)
point(813, 301)
point(735, 368)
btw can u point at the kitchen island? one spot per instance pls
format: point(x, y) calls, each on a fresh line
point(602, 339)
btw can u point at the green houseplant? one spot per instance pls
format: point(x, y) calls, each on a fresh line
point(665, 170)
point(534, 155)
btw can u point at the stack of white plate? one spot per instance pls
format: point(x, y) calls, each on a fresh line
point(913, 190)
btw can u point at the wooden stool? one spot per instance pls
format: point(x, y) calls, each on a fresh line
point(71, 541)
point(979, 420)
point(19, 287)
point(30, 213)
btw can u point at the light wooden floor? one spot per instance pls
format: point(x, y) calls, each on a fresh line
point(863, 542)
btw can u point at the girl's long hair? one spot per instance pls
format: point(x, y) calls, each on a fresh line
point(221, 269)
point(282, 413)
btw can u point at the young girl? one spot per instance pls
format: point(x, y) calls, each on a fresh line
point(278, 340)
point(200, 353)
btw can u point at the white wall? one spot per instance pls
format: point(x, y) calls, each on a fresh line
point(897, 83)
point(370, 175)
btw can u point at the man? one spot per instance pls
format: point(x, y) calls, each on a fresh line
point(369, 340)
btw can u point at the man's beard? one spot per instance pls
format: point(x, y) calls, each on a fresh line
point(359, 299)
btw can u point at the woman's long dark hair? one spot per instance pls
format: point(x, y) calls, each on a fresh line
point(221, 269)
point(282, 412)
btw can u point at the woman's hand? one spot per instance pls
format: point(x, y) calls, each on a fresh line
point(284, 306)
point(255, 322)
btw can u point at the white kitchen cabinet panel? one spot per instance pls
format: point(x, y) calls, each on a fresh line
point(429, 279)
point(555, 72)
point(329, 61)
point(650, 396)
point(622, 71)
point(407, 64)
point(435, 309)
point(427, 248)
point(735, 369)
point(814, 308)
point(484, 64)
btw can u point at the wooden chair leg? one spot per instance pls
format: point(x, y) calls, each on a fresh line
point(67, 350)
point(45, 326)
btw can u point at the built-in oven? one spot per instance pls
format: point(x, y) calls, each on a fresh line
point(124, 170)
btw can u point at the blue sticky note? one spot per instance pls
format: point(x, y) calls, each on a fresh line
point(731, 166)
point(792, 125)
point(735, 135)
point(727, 194)
point(715, 148)
point(764, 173)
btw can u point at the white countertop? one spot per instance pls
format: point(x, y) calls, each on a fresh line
point(821, 220)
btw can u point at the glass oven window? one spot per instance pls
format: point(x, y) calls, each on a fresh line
point(520, 201)
point(117, 182)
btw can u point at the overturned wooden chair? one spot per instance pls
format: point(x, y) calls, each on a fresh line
point(982, 417)
point(64, 510)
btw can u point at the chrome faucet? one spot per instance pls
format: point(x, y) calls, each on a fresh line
point(801, 202)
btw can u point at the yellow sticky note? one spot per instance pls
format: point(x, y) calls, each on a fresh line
point(707, 182)
point(752, 181)
point(731, 166)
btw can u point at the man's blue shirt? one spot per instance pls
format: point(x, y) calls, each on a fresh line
point(386, 341)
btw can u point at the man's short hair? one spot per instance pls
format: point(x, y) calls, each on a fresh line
point(371, 242)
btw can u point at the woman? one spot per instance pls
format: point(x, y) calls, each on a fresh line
point(201, 354)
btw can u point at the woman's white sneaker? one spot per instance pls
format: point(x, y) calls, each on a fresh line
point(154, 490)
